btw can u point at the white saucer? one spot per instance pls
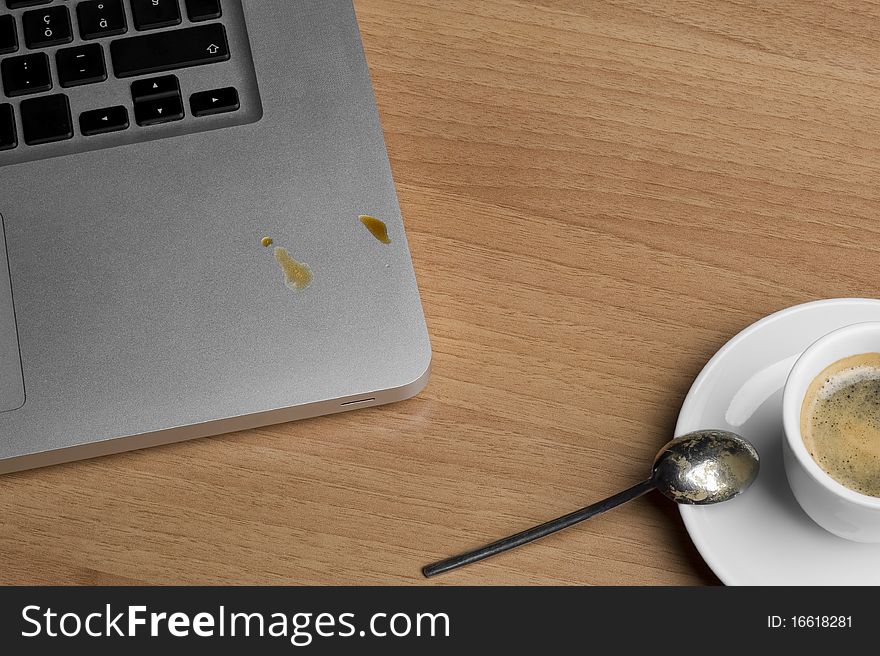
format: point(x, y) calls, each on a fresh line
point(763, 537)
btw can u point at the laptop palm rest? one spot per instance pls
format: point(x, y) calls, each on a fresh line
point(11, 383)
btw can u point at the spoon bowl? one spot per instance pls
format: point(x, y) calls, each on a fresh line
point(705, 467)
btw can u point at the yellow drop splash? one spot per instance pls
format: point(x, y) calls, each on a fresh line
point(376, 227)
point(297, 276)
point(267, 241)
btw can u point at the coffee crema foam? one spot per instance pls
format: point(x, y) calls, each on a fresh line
point(840, 422)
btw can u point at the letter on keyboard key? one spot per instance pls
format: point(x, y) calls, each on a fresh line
point(99, 18)
point(8, 137)
point(150, 14)
point(165, 51)
point(47, 27)
point(46, 119)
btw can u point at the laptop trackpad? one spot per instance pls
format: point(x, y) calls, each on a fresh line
point(11, 384)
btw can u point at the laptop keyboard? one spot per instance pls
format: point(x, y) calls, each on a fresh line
point(78, 76)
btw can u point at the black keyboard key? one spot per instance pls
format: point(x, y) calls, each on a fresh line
point(218, 101)
point(199, 10)
point(157, 100)
point(18, 4)
point(165, 51)
point(159, 110)
point(46, 119)
point(99, 18)
point(101, 121)
point(155, 87)
point(150, 14)
point(47, 27)
point(8, 35)
point(8, 138)
point(25, 74)
point(81, 65)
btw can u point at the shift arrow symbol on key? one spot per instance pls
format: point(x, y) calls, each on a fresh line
point(213, 48)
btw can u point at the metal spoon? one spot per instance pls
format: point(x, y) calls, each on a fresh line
point(703, 467)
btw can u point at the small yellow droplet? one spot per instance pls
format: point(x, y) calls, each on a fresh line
point(376, 227)
point(267, 241)
point(297, 276)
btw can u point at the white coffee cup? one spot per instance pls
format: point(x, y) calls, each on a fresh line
point(833, 506)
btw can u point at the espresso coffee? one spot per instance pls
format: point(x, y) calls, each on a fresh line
point(840, 422)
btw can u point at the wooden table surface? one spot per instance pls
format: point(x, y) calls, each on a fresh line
point(598, 196)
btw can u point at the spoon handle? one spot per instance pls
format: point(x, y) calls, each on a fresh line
point(539, 531)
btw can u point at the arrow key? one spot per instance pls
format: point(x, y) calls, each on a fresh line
point(157, 100)
point(101, 121)
point(155, 87)
point(158, 110)
point(217, 101)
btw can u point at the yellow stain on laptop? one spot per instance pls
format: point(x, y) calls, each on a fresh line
point(376, 227)
point(297, 275)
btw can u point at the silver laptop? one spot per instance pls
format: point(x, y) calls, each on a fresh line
point(200, 231)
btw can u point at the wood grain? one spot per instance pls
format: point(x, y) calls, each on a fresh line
point(598, 195)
